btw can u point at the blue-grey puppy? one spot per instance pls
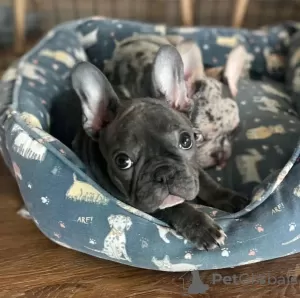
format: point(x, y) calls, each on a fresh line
point(148, 150)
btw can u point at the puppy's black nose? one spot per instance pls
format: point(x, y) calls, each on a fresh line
point(164, 174)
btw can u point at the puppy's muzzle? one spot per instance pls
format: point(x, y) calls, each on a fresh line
point(164, 174)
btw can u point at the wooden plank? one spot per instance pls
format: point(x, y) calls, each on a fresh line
point(187, 12)
point(239, 13)
point(19, 7)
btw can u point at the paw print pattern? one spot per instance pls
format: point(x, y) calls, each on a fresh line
point(188, 255)
point(252, 252)
point(144, 242)
point(259, 228)
point(45, 200)
point(56, 170)
point(292, 227)
point(57, 235)
point(225, 252)
point(92, 241)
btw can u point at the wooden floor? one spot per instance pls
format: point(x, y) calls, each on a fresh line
point(33, 266)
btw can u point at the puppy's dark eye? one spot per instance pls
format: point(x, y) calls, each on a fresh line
point(185, 141)
point(123, 162)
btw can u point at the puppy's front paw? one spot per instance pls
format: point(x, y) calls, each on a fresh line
point(203, 232)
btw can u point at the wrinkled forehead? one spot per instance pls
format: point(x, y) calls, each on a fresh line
point(155, 114)
point(147, 118)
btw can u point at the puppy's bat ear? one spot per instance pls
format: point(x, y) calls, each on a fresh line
point(98, 100)
point(168, 78)
point(192, 63)
point(234, 67)
point(192, 60)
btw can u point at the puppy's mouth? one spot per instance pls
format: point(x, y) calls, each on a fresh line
point(222, 164)
point(171, 201)
point(220, 159)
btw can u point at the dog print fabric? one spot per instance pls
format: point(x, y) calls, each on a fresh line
point(75, 212)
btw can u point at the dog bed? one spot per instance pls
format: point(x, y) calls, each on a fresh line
point(73, 211)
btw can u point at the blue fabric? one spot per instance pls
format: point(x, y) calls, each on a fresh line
point(75, 212)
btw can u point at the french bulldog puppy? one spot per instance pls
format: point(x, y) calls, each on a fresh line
point(148, 148)
point(215, 116)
